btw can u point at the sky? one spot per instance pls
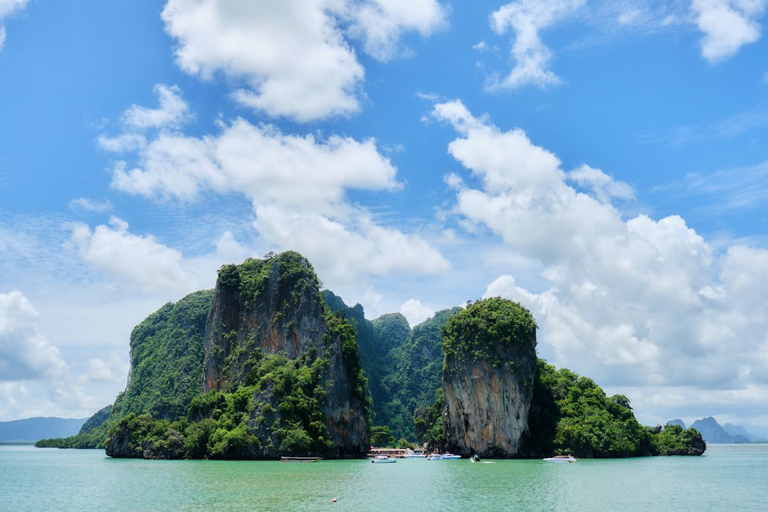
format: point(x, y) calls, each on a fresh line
point(604, 163)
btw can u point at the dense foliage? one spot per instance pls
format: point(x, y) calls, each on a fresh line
point(484, 325)
point(270, 404)
point(428, 422)
point(383, 352)
point(275, 405)
point(167, 355)
point(278, 411)
point(573, 415)
point(674, 440)
point(417, 377)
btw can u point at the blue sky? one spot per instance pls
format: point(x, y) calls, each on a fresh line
point(601, 162)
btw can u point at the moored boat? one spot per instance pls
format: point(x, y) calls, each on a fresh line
point(562, 458)
point(300, 459)
point(383, 459)
point(450, 456)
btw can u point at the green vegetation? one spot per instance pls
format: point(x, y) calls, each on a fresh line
point(381, 351)
point(268, 404)
point(272, 404)
point(585, 422)
point(278, 412)
point(673, 440)
point(167, 355)
point(429, 424)
point(382, 437)
point(573, 415)
point(417, 377)
point(477, 332)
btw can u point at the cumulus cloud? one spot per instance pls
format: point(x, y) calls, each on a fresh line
point(345, 250)
point(298, 187)
point(415, 312)
point(293, 57)
point(24, 353)
point(140, 259)
point(526, 19)
point(627, 301)
point(8, 7)
point(727, 25)
point(381, 23)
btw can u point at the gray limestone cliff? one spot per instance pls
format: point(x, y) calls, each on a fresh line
point(274, 307)
point(489, 370)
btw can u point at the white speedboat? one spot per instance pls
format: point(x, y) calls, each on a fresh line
point(562, 458)
point(434, 456)
point(383, 459)
point(450, 456)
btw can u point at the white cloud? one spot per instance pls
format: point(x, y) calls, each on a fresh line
point(140, 259)
point(415, 312)
point(381, 23)
point(89, 205)
point(526, 18)
point(627, 302)
point(293, 57)
point(727, 25)
point(298, 188)
point(24, 353)
point(230, 249)
point(8, 7)
point(173, 110)
point(345, 250)
point(261, 162)
point(100, 371)
point(122, 143)
point(290, 55)
point(603, 186)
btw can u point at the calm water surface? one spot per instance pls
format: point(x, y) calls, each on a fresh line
point(728, 477)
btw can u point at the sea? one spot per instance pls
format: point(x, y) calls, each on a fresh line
point(727, 477)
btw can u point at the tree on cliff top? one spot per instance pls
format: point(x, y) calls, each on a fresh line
point(475, 332)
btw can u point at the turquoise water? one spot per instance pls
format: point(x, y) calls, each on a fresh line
point(728, 477)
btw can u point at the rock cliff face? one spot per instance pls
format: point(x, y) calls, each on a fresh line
point(488, 381)
point(274, 306)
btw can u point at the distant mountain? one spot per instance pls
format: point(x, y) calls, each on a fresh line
point(677, 422)
point(738, 430)
point(712, 432)
point(34, 429)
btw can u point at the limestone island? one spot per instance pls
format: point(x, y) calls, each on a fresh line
point(267, 365)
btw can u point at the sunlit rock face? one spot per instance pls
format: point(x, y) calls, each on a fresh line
point(488, 384)
point(274, 306)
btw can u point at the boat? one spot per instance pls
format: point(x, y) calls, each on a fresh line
point(434, 456)
point(450, 456)
point(562, 458)
point(475, 458)
point(300, 459)
point(383, 459)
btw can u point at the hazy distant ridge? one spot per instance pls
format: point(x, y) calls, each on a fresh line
point(34, 429)
point(713, 432)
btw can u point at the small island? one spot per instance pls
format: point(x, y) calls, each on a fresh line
point(267, 366)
